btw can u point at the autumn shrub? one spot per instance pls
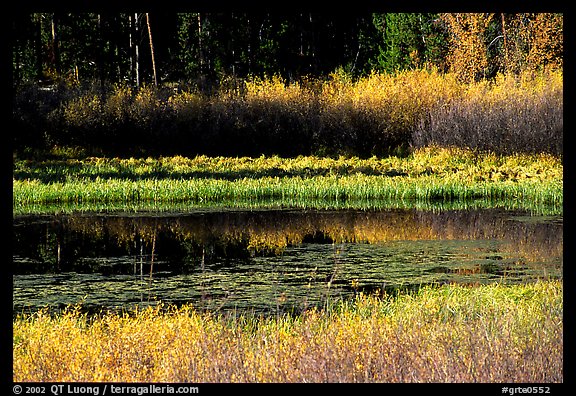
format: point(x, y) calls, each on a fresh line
point(188, 109)
point(89, 118)
point(491, 333)
point(379, 114)
point(511, 114)
point(32, 109)
point(280, 116)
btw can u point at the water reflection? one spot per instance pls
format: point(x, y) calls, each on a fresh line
point(271, 259)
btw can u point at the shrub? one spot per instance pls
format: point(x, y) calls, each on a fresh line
point(376, 115)
point(491, 333)
point(512, 114)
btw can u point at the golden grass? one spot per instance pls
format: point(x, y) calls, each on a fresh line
point(491, 333)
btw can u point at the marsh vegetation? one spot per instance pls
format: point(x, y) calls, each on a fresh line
point(432, 174)
point(452, 333)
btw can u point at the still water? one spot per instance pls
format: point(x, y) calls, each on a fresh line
point(271, 260)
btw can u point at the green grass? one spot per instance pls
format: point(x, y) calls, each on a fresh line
point(427, 175)
point(450, 333)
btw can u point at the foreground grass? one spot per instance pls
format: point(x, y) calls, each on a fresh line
point(491, 333)
point(428, 174)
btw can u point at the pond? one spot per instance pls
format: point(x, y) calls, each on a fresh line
point(271, 261)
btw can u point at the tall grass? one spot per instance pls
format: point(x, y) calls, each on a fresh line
point(375, 115)
point(426, 175)
point(491, 333)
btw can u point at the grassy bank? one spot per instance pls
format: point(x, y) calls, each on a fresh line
point(427, 175)
point(451, 333)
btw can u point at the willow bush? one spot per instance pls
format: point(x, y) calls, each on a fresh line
point(491, 333)
point(511, 114)
point(376, 115)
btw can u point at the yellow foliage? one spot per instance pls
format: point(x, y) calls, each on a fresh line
point(468, 51)
point(441, 334)
point(369, 115)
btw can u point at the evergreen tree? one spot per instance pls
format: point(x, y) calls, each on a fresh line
point(409, 41)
